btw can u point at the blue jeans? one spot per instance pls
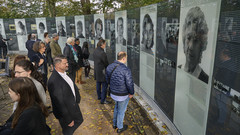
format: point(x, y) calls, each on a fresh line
point(119, 113)
point(102, 90)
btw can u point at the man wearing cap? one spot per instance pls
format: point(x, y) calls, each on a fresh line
point(55, 47)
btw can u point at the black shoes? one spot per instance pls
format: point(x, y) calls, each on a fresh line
point(114, 127)
point(123, 129)
point(106, 102)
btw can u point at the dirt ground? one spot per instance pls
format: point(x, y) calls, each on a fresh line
point(97, 117)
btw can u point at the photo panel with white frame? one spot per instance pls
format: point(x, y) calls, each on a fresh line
point(148, 24)
point(196, 49)
point(80, 28)
point(41, 27)
point(61, 30)
point(121, 31)
point(21, 32)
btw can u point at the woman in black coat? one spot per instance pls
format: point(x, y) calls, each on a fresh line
point(85, 54)
point(30, 116)
point(40, 60)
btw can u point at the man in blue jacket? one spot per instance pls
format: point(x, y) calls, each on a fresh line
point(119, 76)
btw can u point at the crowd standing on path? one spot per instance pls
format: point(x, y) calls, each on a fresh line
point(30, 76)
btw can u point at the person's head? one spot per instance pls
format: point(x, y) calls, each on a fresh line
point(148, 32)
point(25, 68)
point(61, 64)
point(24, 91)
point(120, 27)
point(77, 41)
point(45, 35)
point(55, 36)
point(39, 46)
point(79, 27)
point(71, 41)
point(33, 36)
point(194, 37)
point(17, 59)
point(122, 57)
point(101, 43)
point(85, 44)
point(41, 27)
point(98, 28)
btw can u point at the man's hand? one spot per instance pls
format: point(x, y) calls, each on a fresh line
point(130, 96)
point(71, 124)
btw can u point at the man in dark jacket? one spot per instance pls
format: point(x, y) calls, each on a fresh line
point(3, 47)
point(80, 62)
point(71, 53)
point(100, 65)
point(119, 76)
point(29, 45)
point(65, 97)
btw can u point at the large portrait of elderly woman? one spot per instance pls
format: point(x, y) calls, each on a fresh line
point(195, 41)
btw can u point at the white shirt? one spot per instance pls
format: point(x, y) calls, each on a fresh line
point(69, 81)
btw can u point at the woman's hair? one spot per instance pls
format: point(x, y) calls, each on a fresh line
point(28, 66)
point(101, 42)
point(28, 97)
point(45, 34)
point(29, 36)
point(37, 46)
point(17, 59)
point(85, 44)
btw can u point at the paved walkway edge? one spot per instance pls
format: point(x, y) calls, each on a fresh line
point(156, 114)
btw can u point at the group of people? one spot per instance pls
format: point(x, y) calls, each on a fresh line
point(119, 78)
point(30, 81)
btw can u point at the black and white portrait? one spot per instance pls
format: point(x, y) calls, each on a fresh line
point(41, 27)
point(98, 28)
point(147, 40)
point(120, 30)
point(133, 37)
point(108, 29)
point(80, 29)
point(195, 40)
point(61, 28)
point(21, 28)
point(21, 32)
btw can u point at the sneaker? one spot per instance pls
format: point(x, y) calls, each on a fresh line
point(106, 102)
point(122, 129)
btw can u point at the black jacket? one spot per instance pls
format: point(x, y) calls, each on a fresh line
point(48, 54)
point(29, 46)
point(85, 52)
point(65, 105)
point(72, 64)
point(80, 55)
point(36, 58)
point(100, 64)
point(121, 82)
point(31, 122)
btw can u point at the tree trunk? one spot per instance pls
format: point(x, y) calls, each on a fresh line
point(51, 7)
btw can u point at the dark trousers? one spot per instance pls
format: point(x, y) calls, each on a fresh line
point(3, 52)
point(87, 70)
point(66, 130)
point(102, 90)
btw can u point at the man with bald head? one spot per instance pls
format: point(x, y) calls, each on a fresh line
point(119, 76)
